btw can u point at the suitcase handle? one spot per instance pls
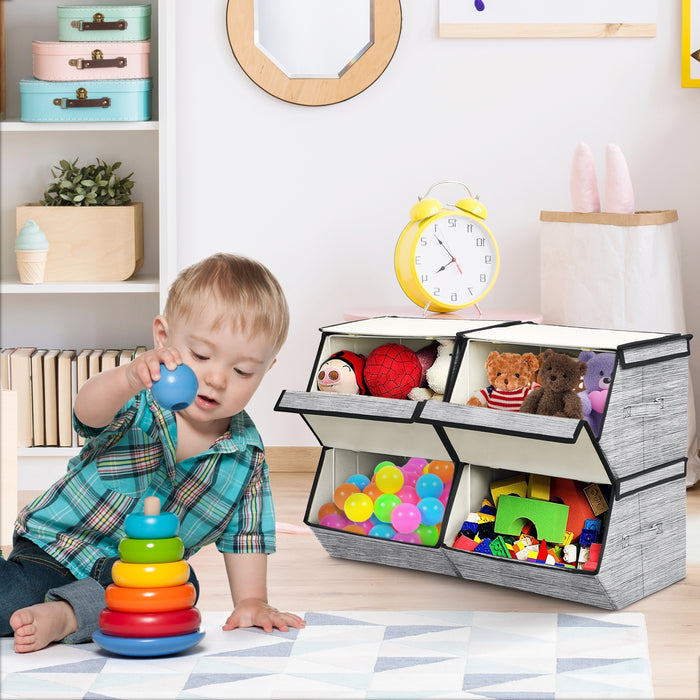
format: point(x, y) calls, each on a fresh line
point(98, 24)
point(98, 61)
point(81, 100)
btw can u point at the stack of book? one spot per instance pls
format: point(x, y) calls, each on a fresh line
point(46, 382)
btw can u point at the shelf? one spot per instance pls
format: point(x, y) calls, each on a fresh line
point(145, 285)
point(17, 125)
point(43, 452)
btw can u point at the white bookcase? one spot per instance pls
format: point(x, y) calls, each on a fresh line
point(85, 315)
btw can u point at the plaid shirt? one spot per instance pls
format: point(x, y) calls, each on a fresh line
point(222, 495)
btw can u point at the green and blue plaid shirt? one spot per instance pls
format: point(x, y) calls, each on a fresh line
point(222, 495)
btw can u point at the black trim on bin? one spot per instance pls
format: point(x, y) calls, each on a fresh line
point(680, 475)
point(621, 349)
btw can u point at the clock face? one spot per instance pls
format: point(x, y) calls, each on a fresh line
point(455, 260)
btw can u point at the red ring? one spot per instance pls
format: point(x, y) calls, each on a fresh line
point(162, 624)
point(139, 600)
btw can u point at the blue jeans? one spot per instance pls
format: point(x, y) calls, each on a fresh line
point(30, 576)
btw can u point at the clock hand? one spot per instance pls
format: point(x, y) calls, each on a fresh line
point(447, 250)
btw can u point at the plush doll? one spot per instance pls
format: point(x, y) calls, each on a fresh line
point(559, 376)
point(436, 376)
point(342, 373)
point(391, 371)
point(427, 356)
point(596, 381)
point(510, 378)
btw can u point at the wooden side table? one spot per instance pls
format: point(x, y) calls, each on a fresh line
point(413, 311)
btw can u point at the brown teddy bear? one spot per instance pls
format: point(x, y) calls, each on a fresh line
point(559, 376)
point(510, 376)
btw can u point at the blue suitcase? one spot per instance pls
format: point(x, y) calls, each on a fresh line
point(85, 101)
point(104, 22)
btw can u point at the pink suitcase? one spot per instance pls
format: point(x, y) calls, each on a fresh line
point(83, 60)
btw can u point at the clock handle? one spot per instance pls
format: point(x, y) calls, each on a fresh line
point(447, 182)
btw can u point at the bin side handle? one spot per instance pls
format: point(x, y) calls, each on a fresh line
point(644, 410)
point(653, 530)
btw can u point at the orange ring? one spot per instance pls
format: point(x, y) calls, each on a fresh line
point(163, 624)
point(150, 599)
point(173, 573)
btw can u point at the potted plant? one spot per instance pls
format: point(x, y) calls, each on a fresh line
point(94, 230)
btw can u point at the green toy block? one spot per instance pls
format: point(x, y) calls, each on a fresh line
point(548, 518)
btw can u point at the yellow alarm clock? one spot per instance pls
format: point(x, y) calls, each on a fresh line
point(446, 258)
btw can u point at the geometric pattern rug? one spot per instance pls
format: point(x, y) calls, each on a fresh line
point(365, 654)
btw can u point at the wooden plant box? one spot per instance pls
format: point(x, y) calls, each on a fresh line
point(89, 244)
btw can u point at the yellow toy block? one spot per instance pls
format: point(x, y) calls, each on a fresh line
point(538, 487)
point(568, 537)
point(515, 485)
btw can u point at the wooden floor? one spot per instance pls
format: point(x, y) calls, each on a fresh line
point(302, 576)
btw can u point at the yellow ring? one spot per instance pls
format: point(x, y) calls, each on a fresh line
point(173, 573)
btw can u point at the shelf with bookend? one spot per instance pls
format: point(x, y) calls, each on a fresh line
point(77, 315)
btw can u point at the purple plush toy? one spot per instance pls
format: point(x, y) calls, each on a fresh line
point(597, 382)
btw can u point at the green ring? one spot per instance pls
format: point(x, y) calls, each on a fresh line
point(133, 551)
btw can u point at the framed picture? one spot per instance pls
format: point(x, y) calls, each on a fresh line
point(690, 44)
point(547, 18)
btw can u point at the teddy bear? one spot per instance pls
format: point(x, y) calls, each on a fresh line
point(436, 375)
point(596, 381)
point(559, 377)
point(510, 378)
point(342, 373)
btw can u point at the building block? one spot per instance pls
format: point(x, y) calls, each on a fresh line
point(593, 557)
point(538, 487)
point(499, 549)
point(464, 543)
point(484, 547)
point(550, 519)
point(516, 485)
point(571, 493)
point(587, 537)
point(595, 499)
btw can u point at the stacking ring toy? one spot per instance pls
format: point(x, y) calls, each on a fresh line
point(150, 599)
point(149, 624)
point(151, 551)
point(173, 573)
point(176, 389)
point(151, 646)
point(155, 527)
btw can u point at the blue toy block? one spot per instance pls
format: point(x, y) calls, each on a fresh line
point(484, 547)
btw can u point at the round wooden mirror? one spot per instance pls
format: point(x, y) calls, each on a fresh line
point(368, 49)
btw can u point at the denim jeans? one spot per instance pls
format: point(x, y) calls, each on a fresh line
point(30, 576)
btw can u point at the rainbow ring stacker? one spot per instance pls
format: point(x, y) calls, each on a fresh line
point(151, 551)
point(147, 646)
point(173, 573)
point(176, 389)
point(150, 599)
point(158, 624)
point(151, 527)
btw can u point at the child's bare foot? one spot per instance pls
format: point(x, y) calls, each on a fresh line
point(38, 625)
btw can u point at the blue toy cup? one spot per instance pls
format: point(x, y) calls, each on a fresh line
point(176, 389)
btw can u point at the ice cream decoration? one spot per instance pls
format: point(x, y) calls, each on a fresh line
point(31, 249)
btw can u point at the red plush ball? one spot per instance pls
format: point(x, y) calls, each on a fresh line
point(391, 371)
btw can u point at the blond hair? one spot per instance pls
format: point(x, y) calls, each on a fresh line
point(250, 296)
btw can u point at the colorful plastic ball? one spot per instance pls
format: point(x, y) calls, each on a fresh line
point(408, 537)
point(442, 469)
point(385, 505)
point(408, 494)
point(383, 531)
point(415, 464)
point(429, 486)
point(445, 493)
point(337, 522)
point(372, 491)
point(410, 478)
point(328, 509)
point(389, 479)
point(342, 492)
point(360, 480)
point(381, 465)
point(176, 389)
point(358, 507)
point(405, 517)
point(428, 534)
point(355, 528)
point(431, 511)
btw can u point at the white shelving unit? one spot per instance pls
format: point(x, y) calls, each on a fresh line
point(78, 315)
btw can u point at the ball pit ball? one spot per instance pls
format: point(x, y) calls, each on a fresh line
point(337, 522)
point(328, 509)
point(383, 531)
point(360, 480)
point(444, 470)
point(340, 495)
point(385, 505)
point(405, 517)
point(358, 507)
point(408, 537)
point(408, 494)
point(354, 527)
point(429, 486)
point(381, 465)
point(389, 479)
point(428, 535)
point(372, 491)
point(176, 389)
point(431, 511)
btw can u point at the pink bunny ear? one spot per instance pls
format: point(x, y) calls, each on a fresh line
point(583, 183)
point(619, 196)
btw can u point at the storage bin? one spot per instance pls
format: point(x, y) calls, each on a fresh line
point(104, 22)
point(75, 60)
point(638, 461)
point(85, 101)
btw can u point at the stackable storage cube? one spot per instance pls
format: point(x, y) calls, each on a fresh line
point(105, 60)
point(638, 460)
point(104, 22)
point(86, 101)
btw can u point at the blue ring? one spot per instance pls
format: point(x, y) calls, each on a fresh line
point(146, 646)
point(144, 527)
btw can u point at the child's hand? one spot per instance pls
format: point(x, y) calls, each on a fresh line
point(253, 612)
point(145, 369)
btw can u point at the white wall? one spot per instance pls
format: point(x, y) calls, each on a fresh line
point(320, 194)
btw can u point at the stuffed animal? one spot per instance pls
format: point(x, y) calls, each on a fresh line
point(342, 373)
point(597, 380)
point(391, 371)
point(510, 378)
point(436, 376)
point(559, 376)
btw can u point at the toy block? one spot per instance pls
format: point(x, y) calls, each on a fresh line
point(593, 557)
point(549, 519)
point(587, 538)
point(538, 487)
point(516, 485)
point(487, 504)
point(542, 554)
point(487, 510)
point(486, 530)
point(523, 554)
point(483, 547)
point(486, 518)
point(593, 524)
point(570, 493)
point(595, 499)
point(568, 537)
point(498, 548)
point(462, 542)
point(469, 527)
point(583, 556)
point(570, 553)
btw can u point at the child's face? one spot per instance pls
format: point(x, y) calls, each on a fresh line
point(229, 364)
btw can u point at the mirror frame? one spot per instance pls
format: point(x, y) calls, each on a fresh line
point(240, 21)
